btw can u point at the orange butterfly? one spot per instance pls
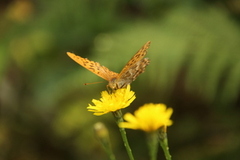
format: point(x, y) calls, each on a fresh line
point(135, 66)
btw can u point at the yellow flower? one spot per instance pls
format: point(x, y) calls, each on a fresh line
point(121, 98)
point(150, 117)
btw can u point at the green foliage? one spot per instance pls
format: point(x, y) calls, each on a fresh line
point(195, 68)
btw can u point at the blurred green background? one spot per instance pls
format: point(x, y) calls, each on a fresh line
point(195, 69)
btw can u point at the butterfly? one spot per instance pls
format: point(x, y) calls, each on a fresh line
point(135, 66)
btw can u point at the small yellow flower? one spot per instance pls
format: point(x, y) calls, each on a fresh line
point(150, 117)
point(121, 98)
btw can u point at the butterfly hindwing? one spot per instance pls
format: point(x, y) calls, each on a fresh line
point(132, 73)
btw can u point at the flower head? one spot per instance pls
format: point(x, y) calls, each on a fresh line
point(150, 117)
point(111, 102)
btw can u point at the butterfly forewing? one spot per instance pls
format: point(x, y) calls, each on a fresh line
point(134, 60)
point(94, 67)
point(135, 66)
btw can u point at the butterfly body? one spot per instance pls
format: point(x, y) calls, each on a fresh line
point(135, 66)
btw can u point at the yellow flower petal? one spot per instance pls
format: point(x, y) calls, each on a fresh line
point(149, 117)
point(121, 98)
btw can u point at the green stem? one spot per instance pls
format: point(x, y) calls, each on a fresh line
point(118, 116)
point(101, 133)
point(107, 147)
point(108, 150)
point(110, 153)
point(152, 144)
point(164, 143)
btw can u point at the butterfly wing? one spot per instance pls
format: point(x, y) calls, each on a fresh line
point(94, 67)
point(135, 66)
point(135, 70)
point(136, 58)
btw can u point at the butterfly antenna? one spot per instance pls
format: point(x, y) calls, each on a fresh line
point(92, 83)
